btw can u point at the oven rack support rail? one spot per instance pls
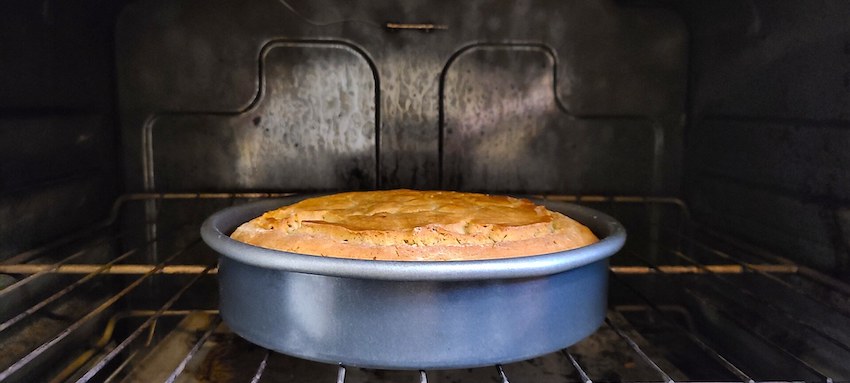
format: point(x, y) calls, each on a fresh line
point(733, 265)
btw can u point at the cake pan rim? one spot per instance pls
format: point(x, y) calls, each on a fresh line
point(215, 232)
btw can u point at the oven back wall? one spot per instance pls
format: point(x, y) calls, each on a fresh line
point(568, 97)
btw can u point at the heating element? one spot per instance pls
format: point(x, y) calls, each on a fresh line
point(137, 302)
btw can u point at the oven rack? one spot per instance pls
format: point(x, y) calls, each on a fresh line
point(112, 356)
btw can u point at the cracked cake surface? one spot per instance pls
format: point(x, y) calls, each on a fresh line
point(411, 225)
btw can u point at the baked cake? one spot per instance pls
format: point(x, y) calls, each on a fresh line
point(410, 225)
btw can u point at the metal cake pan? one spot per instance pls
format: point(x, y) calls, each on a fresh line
point(412, 315)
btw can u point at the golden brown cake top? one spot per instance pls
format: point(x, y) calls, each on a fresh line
point(415, 225)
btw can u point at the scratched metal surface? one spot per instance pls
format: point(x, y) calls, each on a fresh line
point(312, 125)
point(507, 130)
point(190, 73)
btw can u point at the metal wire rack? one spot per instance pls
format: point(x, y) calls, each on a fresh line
point(697, 263)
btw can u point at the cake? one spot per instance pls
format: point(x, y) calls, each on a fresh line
point(410, 225)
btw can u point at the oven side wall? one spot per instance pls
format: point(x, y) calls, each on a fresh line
point(58, 163)
point(768, 141)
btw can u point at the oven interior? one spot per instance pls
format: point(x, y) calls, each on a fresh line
point(717, 132)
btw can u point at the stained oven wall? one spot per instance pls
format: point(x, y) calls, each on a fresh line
point(557, 97)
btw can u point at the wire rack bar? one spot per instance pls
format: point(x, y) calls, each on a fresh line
point(135, 334)
point(52, 267)
point(820, 278)
point(728, 365)
point(20, 363)
point(262, 368)
point(763, 338)
point(841, 310)
point(194, 350)
point(87, 268)
point(106, 336)
point(634, 346)
point(340, 374)
point(745, 327)
point(749, 293)
point(144, 313)
point(110, 269)
point(199, 195)
point(502, 373)
point(64, 240)
point(703, 269)
point(117, 373)
point(826, 280)
point(38, 306)
point(28, 255)
point(771, 306)
point(578, 368)
point(814, 275)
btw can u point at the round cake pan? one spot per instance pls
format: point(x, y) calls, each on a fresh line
point(412, 315)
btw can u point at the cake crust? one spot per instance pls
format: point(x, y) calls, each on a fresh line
point(410, 225)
